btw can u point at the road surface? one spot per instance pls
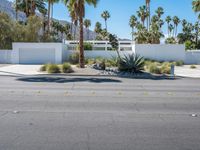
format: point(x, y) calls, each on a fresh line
point(99, 113)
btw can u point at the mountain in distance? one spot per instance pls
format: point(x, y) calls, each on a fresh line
point(7, 7)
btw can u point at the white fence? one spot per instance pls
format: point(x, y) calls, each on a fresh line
point(5, 56)
point(101, 45)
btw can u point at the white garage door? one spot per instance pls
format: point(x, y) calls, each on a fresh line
point(36, 56)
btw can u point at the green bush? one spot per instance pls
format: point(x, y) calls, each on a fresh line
point(153, 68)
point(87, 46)
point(189, 45)
point(179, 63)
point(74, 58)
point(131, 63)
point(66, 68)
point(193, 67)
point(53, 68)
point(44, 67)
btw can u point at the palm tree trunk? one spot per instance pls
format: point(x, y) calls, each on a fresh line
point(81, 54)
point(71, 28)
point(51, 11)
point(16, 9)
point(147, 9)
point(132, 33)
point(75, 32)
point(106, 25)
point(27, 14)
point(176, 31)
point(88, 34)
point(32, 7)
point(51, 15)
point(149, 16)
point(168, 29)
point(49, 8)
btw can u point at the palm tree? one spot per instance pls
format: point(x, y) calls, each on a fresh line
point(149, 12)
point(184, 22)
point(74, 19)
point(16, 10)
point(160, 12)
point(105, 15)
point(44, 13)
point(29, 7)
point(78, 9)
point(168, 20)
point(133, 23)
point(176, 21)
point(196, 5)
point(171, 28)
point(98, 27)
point(50, 10)
point(87, 24)
point(142, 14)
point(67, 32)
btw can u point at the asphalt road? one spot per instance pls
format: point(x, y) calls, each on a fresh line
point(92, 113)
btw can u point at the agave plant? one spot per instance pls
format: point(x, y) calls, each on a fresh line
point(131, 63)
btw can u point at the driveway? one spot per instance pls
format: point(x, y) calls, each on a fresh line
point(14, 70)
point(98, 113)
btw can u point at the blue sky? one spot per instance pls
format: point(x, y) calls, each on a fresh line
point(121, 10)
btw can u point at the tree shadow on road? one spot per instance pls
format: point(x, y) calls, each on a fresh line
point(68, 80)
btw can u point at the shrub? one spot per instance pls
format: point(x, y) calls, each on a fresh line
point(87, 46)
point(102, 65)
point(112, 62)
point(53, 68)
point(131, 63)
point(179, 63)
point(153, 68)
point(170, 40)
point(166, 69)
point(90, 61)
point(189, 45)
point(66, 68)
point(74, 58)
point(99, 59)
point(44, 67)
point(193, 67)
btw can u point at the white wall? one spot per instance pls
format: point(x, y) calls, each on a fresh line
point(160, 52)
point(151, 51)
point(192, 57)
point(5, 56)
point(37, 47)
point(97, 53)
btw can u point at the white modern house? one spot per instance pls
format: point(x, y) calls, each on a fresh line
point(40, 53)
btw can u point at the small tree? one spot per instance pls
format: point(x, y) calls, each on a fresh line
point(114, 43)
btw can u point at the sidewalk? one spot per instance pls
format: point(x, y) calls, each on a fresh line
point(20, 70)
point(186, 71)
